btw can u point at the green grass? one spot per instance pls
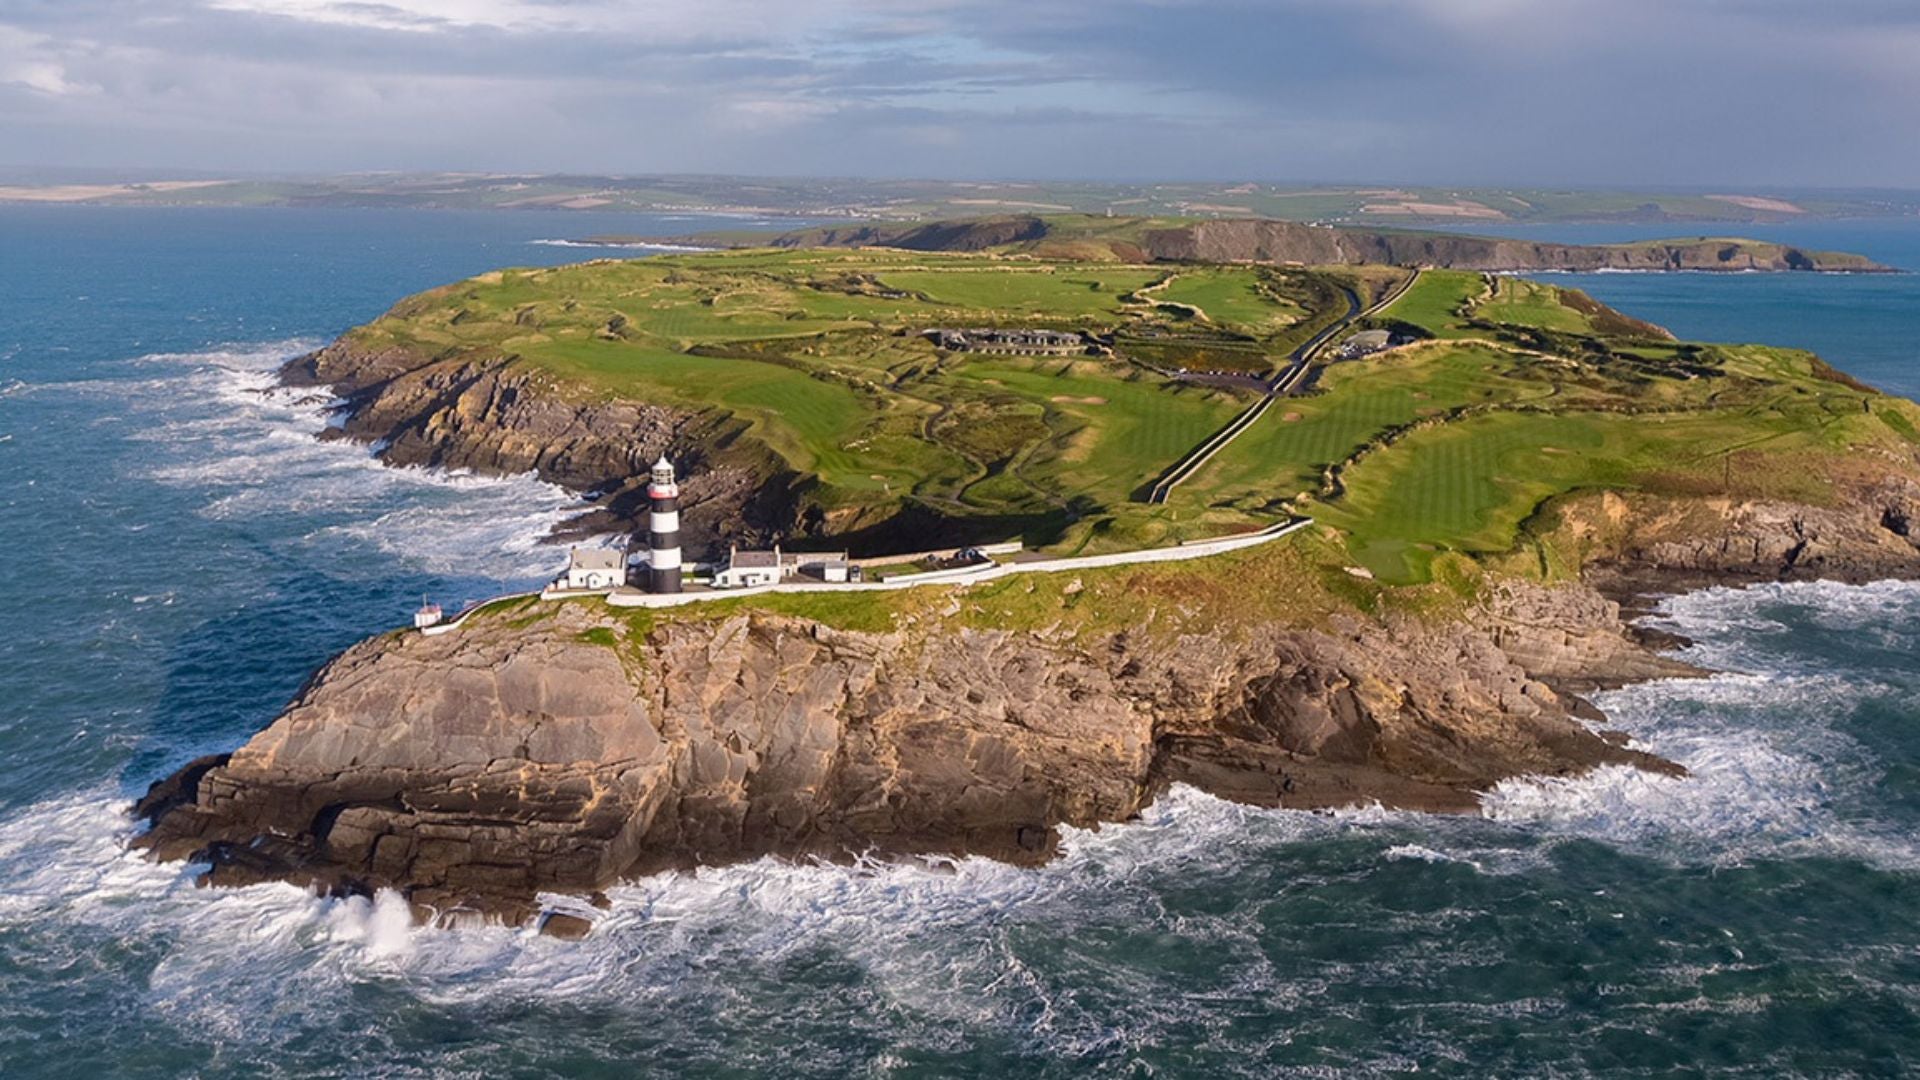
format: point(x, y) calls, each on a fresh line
point(808, 420)
point(1234, 298)
point(1112, 434)
point(1285, 453)
point(815, 357)
point(818, 352)
point(1469, 485)
point(1529, 303)
point(1437, 300)
point(1015, 291)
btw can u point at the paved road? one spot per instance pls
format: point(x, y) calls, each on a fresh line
point(1285, 381)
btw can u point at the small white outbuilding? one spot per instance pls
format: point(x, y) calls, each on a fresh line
point(746, 569)
point(594, 568)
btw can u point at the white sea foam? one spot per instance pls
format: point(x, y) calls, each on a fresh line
point(629, 245)
point(924, 932)
point(1727, 623)
point(1768, 767)
point(221, 423)
point(1423, 853)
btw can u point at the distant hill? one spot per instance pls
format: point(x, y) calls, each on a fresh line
point(1271, 241)
point(1367, 206)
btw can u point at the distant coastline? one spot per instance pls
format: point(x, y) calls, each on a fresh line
point(1367, 206)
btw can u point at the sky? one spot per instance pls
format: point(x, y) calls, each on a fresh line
point(1758, 93)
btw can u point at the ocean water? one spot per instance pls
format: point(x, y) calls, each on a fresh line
point(1868, 325)
point(180, 553)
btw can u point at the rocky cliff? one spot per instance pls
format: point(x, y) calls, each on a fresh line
point(1255, 240)
point(1283, 241)
point(1641, 544)
point(563, 747)
point(493, 415)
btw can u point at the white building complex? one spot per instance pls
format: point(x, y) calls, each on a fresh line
point(748, 568)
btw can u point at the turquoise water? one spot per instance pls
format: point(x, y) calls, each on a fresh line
point(180, 552)
point(1868, 325)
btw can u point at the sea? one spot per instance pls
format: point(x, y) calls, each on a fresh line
point(178, 551)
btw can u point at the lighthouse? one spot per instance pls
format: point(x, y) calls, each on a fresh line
point(663, 530)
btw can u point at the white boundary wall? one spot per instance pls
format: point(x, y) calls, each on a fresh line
point(966, 575)
point(454, 623)
point(1009, 547)
point(974, 575)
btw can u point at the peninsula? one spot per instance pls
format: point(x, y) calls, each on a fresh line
point(1490, 465)
point(1255, 240)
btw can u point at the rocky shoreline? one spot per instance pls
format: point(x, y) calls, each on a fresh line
point(1269, 241)
point(561, 748)
point(493, 416)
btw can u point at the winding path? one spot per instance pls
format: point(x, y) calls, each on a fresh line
point(1284, 382)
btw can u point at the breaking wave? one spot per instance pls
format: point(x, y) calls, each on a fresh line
point(1775, 766)
point(1068, 961)
point(625, 245)
point(221, 426)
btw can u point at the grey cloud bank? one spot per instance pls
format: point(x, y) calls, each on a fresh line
point(1631, 92)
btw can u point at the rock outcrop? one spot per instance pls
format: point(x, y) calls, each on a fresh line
point(1256, 240)
point(1642, 543)
point(494, 415)
point(1285, 241)
point(564, 747)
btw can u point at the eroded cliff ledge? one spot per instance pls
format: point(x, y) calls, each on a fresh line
point(494, 416)
point(1265, 240)
point(562, 747)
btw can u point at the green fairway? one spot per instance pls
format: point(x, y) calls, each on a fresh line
point(1237, 299)
point(1111, 434)
point(818, 362)
point(1040, 292)
point(1529, 303)
point(1437, 302)
point(820, 353)
point(1468, 485)
point(1286, 452)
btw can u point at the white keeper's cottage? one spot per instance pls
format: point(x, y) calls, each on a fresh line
point(595, 568)
point(746, 569)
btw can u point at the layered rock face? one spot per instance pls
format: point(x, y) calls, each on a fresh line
point(477, 769)
point(1870, 532)
point(494, 416)
point(1256, 240)
point(1286, 241)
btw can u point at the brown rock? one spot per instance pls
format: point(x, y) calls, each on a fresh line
point(477, 769)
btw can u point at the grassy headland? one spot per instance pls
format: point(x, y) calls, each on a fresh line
point(1513, 394)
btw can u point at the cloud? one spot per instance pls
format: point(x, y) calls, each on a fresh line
point(28, 63)
point(1471, 91)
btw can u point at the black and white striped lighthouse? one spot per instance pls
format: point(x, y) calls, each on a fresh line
point(663, 530)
